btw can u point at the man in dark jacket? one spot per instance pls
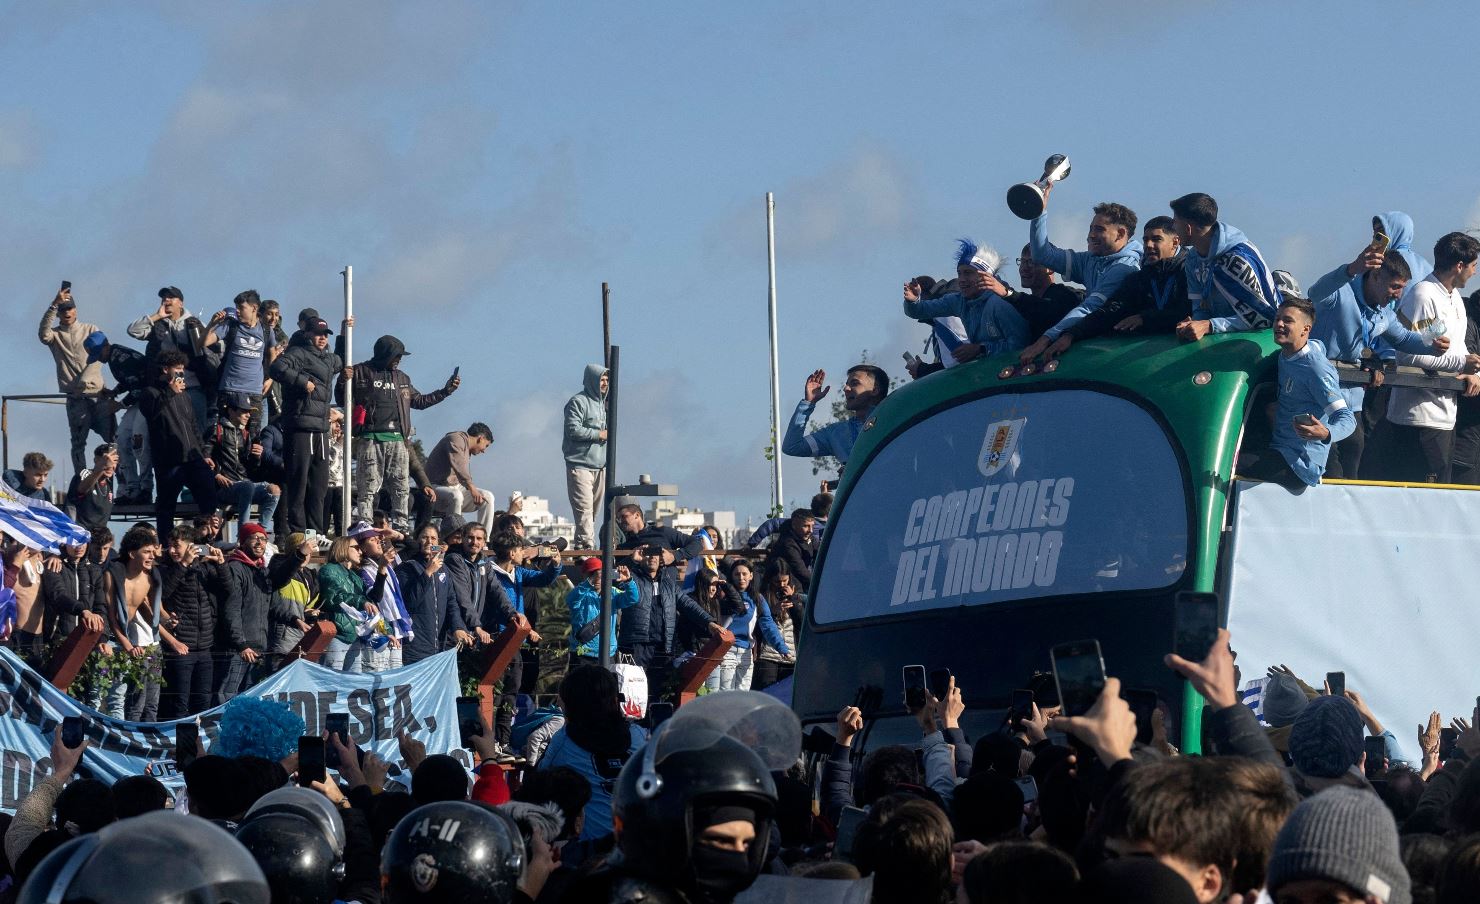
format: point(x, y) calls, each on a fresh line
point(306, 372)
point(383, 399)
point(192, 586)
point(648, 628)
point(795, 546)
point(132, 373)
point(1043, 301)
point(1152, 300)
point(247, 607)
point(484, 605)
point(233, 455)
point(436, 618)
point(633, 531)
point(67, 594)
point(174, 442)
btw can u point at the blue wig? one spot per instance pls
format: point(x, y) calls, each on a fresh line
point(978, 257)
point(253, 726)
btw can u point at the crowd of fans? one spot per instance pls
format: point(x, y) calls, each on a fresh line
point(579, 801)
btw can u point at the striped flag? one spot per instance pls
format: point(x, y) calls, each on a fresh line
point(37, 523)
point(1252, 696)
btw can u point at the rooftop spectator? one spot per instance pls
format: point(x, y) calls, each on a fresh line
point(1311, 413)
point(584, 447)
point(486, 608)
point(866, 387)
point(1151, 300)
point(242, 342)
point(384, 398)
point(992, 325)
point(131, 374)
point(1417, 442)
point(449, 467)
point(633, 531)
point(192, 586)
point(1229, 287)
point(271, 315)
point(132, 596)
point(378, 556)
point(175, 448)
point(68, 595)
point(30, 480)
point(305, 373)
point(89, 407)
point(1398, 227)
point(436, 618)
point(251, 583)
point(231, 451)
point(172, 328)
point(1112, 254)
point(1356, 323)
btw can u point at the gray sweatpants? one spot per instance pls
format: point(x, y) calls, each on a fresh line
point(586, 488)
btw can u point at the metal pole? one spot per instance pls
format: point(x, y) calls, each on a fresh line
point(606, 325)
point(5, 431)
point(608, 542)
point(346, 493)
point(776, 494)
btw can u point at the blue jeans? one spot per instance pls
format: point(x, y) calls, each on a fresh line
point(244, 492)
point(343, 656)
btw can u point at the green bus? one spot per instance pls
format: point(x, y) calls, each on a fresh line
point(986, 516)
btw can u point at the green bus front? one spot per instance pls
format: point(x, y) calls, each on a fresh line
point(983, 520)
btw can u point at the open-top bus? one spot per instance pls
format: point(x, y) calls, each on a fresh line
point(986, 516)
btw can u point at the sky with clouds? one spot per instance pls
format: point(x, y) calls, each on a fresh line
point(485, 166)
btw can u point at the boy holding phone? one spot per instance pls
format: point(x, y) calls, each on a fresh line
point(1311, 413)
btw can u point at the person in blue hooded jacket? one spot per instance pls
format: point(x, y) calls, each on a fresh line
point(992, 325)
point(1398, 227)
point(1356, 321)
point(584, 601)
point(584, 447)
point(1112, 253)
point(1229, 286)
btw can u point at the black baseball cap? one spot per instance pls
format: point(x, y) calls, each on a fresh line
point(171, 292)
point(308, 315)
point(318, 327)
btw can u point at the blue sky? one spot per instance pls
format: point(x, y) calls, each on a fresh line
point(486, 166)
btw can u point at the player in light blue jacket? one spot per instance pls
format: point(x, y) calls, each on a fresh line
point(992, 324)
point(1311, 414)
point(1112, 253)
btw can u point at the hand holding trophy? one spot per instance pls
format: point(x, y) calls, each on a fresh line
point(1028, 199)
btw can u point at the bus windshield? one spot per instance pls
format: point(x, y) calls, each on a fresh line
point(1010, 496)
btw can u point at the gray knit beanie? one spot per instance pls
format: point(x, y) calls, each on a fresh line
point(1326, 740)
point(1283, 700)
point(1344, 835)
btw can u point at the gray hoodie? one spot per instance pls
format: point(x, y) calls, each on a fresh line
point(585, 418)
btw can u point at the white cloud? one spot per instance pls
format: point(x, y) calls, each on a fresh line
point(18, 139)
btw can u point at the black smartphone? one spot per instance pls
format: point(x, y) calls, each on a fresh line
point(1029, 786)
point(187, 739)
point(1021, 708)
point(1376, 750)
point(848, 822)
point(940, 683)
point(66, 284)
point(311, 760)
point(1336, 681)
point(659, 712)
point(1143, 704)
point(1447, 739)
point(72, 732)
point(1079, 672)
point(455, 371)
point(914, 687)
point(469, 720)
point(1196, 625)
point(336, 724)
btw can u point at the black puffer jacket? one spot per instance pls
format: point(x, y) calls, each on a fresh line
point(192, 596)
point(294, 369)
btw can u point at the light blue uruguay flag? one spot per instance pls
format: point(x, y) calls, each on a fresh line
point(37, 523)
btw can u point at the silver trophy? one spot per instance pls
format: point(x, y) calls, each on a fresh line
point(1027, 199)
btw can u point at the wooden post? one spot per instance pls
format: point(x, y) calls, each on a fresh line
point(314, 642)
point(497, 658)
point(691, 676)
point(69, 658)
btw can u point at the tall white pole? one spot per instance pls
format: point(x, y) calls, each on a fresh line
point(346, 493)
point(776, 494)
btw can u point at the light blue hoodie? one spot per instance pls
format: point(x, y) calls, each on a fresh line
point(1232, 288)
point(1346, 326)
point(1308, 385)
point(585, 418)
point(1398, 226)
point(1100, 274)
point(989, 320)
